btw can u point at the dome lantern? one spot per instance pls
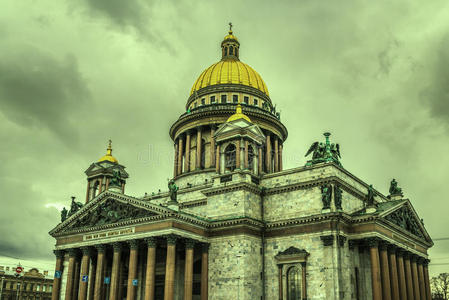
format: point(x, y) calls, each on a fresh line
point(230, 46)
point(108, 155)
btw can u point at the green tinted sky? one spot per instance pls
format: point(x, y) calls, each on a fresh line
point(75, 73)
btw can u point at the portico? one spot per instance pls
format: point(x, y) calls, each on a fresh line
point(160, 257)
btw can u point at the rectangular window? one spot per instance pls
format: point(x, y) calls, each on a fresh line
point(235, 98)
point(246, 99)
point(194, 105)
point(223, 98)
point(255, 102)
point(203, 101)
point(38, 287)
point(212, 99)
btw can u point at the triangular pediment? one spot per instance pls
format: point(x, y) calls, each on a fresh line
point(109, 209)
point(240, 126)
point(404, 216)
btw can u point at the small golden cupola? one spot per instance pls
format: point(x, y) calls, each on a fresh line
point(238, 115)
point(108, 155)
point(230, 46)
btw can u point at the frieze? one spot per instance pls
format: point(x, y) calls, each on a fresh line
point(405, 219)
point(108, 234)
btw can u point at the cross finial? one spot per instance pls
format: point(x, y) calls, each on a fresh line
point(110, 144)
point(230, 26)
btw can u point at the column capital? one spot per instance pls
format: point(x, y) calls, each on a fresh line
point(406, 254)
point(117, 246)
point(383, 245)
point(205, 247)
point(101, 248)
point(420, 260)
point(87, 251)
point(133, 244)
point(73, 252)
point(190, 244)
point(426, 262)
point(373, 242)
point(151, 242)
point(328, 240)
point(414, 258)
point(400, 252)
point(171, 239)
point(59, 253)
point(392, 248)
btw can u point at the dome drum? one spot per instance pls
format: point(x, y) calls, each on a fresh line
point(220, 89)
point(218, 113)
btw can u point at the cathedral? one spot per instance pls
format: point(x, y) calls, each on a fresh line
point(232, 222)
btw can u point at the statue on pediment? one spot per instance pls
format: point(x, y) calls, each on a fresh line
point(394, 189)
point(74, 207)
point(173, 190)
point(370, 196)
point(63, 214)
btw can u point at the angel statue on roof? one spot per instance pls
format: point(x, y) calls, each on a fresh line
point(324, 152)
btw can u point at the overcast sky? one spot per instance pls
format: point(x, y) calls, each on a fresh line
point(74, 74)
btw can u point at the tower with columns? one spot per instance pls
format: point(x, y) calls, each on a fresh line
point(233, 223)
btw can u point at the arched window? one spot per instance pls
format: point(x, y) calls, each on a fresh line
point(250, 158)
point(294, 283)
point(226, 51)
point(230, 162)
point(231, 51)
point(203, 154)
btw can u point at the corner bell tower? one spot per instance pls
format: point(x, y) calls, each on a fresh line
point(101, 173)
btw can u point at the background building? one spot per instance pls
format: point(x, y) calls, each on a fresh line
point(30, 285)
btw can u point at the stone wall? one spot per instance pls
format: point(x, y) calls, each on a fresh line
point(235, 264)
point(292, 204)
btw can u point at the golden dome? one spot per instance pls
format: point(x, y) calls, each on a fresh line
point(238, 115)
point(108, 155)
point(230, 71)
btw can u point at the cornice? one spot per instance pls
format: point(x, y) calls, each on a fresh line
point(250, 187)
point(224, 111)
point(309, 219)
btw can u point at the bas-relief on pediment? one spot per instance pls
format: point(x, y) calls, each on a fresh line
point(406, 219)
point(109, 212)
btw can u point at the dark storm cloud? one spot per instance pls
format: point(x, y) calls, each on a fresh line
point(436, 95)
point(21, 217)
point(140, 15)
point(37, 90)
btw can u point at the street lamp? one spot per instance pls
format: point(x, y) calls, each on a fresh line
point(1, 288)
point(18, 289)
